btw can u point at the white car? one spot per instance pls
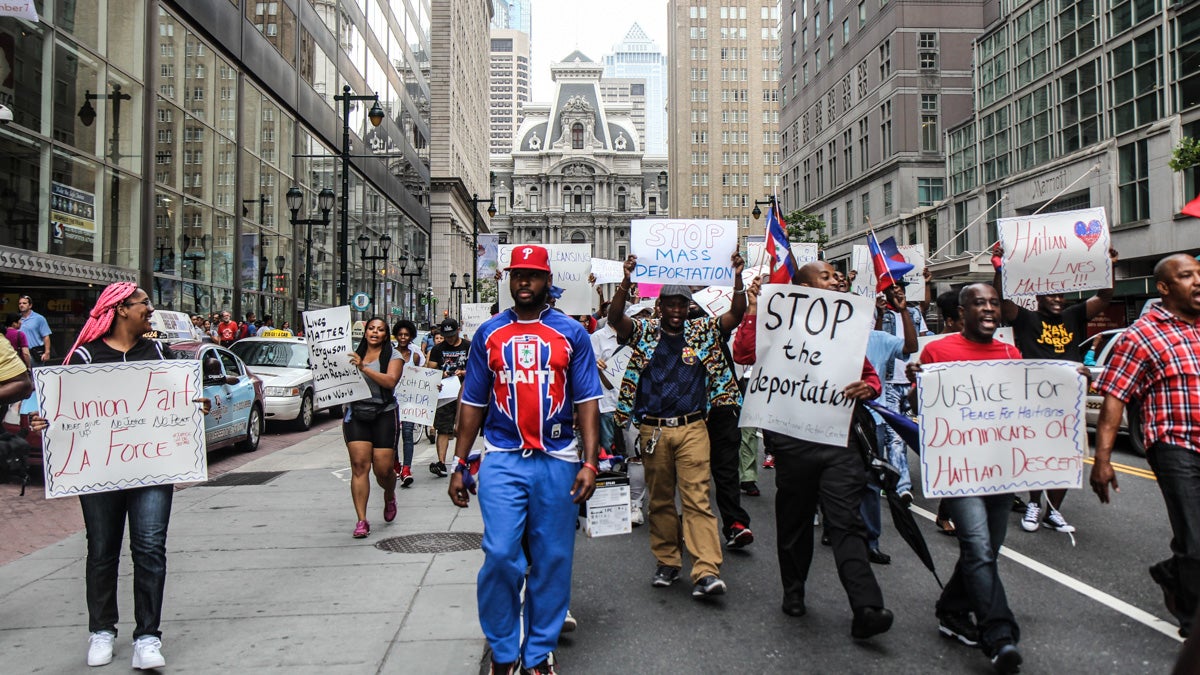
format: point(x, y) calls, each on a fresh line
point(282, 364)
point(1131, 424)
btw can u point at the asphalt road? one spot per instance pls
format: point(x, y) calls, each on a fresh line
point(625, 625)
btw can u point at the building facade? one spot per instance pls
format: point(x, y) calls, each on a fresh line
point(509, 86)
point(155, 142)
point(636, 56)
point(575, 173)
point(631, 90)
point(514, 14)
point(723, 108)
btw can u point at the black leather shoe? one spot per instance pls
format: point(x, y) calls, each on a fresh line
point(870, 621)
point(879, 557)
point(793, 605)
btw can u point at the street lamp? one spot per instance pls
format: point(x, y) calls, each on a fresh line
point(295, 199)
point(420, 261)
point(162, 249)
point(375, 115)
point(475, 202)
point(190, 254)
point(458, 290)
point(262, 201)
point(770, 200)
point(87, 116)
point(381, 254)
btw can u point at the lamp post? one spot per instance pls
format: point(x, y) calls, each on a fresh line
point(280, 283)
point(162, 249)
point(87, 115)
point(189, 254)
point(769, 201)
point(420, 261)
point(475, 202)
point(458, 291)
point(381, 254)
point(375, 115)
point(262, 201)
point(295, 199)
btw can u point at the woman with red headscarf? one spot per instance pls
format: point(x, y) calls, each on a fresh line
point(113, 334)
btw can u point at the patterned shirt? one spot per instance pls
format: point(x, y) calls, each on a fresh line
point(703, 336)
point(1157, 360)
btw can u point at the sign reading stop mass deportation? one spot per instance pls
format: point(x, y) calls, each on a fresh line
point(1001, 426)
point(810, 345)
point(688, 252)
point(114, 426)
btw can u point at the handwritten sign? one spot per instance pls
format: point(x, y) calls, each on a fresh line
point(688, 252)
point(335, 381)
point(614, 368)
point(488, 255)
point(121, 425)
point(810, 345)
point(608, 271)
point(716, 300)
point(864, 284)
point(1055, 252)
point(803, 252)
point(570, 264)
point(417, 394)
point(1001, 426)
point(473, 316)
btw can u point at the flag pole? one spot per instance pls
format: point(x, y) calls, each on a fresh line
point(871, 229)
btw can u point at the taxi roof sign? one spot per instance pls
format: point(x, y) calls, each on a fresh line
point(276, 333)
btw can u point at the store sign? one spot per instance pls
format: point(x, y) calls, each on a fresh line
point(72, 213)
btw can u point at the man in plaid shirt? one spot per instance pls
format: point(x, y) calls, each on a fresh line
point(1157, 363)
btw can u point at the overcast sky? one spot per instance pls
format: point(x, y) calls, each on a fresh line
point(591, 26)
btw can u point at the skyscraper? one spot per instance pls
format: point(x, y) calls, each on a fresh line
point(509, 86)
point(514, 14)
point(638, 56)
point(631, 90)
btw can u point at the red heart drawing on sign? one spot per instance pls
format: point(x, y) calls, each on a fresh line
point(1089, 232)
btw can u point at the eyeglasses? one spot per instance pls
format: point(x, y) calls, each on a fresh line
point(145, 302)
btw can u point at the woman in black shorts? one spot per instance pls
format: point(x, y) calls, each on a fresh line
point(370, 425)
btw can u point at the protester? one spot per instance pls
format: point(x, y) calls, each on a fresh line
point(531, 368)
point(15, 382)
point(806, 472)
point(604, 346)
point(676, 375)
point(894, 320)
point(1154, 365)
point(404, 331)
point(449, 356)
point(369, 426)
point(12, 331)
point(227, 330)
point(980, 521)
point(37, 331)
point(947, 304)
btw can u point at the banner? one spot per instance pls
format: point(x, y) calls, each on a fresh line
point(121, 425)
point(473, 316)
point(1001, 426)
point(1055, 253)
point(803, 252)
point(614, 368)
point(608, 271)
point(489, 255)
point(570, 264)
point(688, 252)
point(417, 394)
point(21, 9)
point(327, 332)
point(716, 300)
point(810, 345)
point(864, 283)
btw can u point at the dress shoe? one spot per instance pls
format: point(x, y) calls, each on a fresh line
point(870, 621)
point(879, 557)
point(793, 604)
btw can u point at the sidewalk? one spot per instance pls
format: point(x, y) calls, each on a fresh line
point(267, 578)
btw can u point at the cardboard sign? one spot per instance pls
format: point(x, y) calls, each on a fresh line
point(716, 300)
point(1001, 426)
point(121, 425)
point(864, 284)
point(810, 345)
point(488, 255)
point(473, 316)
point(803, 252)
point(614, 370)
point(335, 381)
point(608, 509)
point(1055, 253)
point(607, 271)
point(570, 264)
point(688, 252)
point(417, 394)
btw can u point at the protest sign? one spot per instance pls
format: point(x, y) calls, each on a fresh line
point(716, 300)
point(608, 271)
point(417, 394)
point(810, 345)
point(865, 283)
point(1055, 253)
point(688, 252)
point(168, 325)
point(473, 316)
point(335, 381)
point(448, 391)
point(488, 255)
point(614, 368)
point(803, 252)
point(20, 9)
point(1001, 426)
point(121, 425)
point(648, 290)
point(570, 264)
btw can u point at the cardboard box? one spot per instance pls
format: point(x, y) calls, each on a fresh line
point(608, 509)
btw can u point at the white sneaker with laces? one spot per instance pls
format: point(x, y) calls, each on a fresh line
point(1055, 521)
point(635, 517)
point(1033, 517)
point(147, 653)
point(100, 648)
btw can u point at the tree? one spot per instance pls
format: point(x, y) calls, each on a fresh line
point(807, 228)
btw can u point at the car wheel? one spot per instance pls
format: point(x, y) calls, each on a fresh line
point(304, 420)
point(1133, 417)
point(254, 428)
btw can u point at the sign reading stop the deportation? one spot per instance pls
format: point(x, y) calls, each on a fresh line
point(1001, 426)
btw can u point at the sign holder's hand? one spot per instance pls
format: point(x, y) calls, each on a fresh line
point(739, 264)
point(859, 391)
point(911, 370)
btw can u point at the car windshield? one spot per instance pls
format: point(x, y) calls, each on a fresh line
point(272, 354)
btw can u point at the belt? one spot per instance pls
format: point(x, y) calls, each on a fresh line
point(673, 421)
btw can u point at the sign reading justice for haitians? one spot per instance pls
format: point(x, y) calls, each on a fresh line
point(570, 264)
point(121, 425)
point(327, 332)
point(810, 346)
point(1055, 253)
point(417, 394)
point(1001, 426)
point(688, 252)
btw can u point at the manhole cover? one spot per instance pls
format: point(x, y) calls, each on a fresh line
point(432, 542)
point(243, 478)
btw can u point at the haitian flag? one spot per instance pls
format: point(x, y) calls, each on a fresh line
point(783, 267)
point(886, 259)
point(1192, 208)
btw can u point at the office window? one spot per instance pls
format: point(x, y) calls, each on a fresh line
point(885, 60)
point(1076, 28)
point(820, 161)
point(862, 13)
point(1033, 128)
point(849, 214)
point(833, 174)
point(962, 239)
point(817, 25)
point(1031, 50)
point(833, 221)
point(865, 202)
point(1126, 14)
point(927, 51)
point(848, 155)
point(930, 191)
point(1187, 37)
point(930, 129)
point(885, 129)
point(995, 137)
point(887, 198)
point(993, 70)
point(845, 31)
point(1135, 82)
point(962, 159)
point(1133, 181)
point(863, 144)
point(807, 180)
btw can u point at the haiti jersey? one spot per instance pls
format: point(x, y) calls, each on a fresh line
point(529, 374)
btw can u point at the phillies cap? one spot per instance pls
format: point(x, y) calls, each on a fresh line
point(529, 258)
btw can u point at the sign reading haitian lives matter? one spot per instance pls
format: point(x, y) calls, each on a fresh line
point(1055, 253)
point(570, 264)
point(473, 316)
point(810, 345)
point(864, 283)
point(121, 425)
point(417, 394)
point(1001, 426)
point(688, 252)
point(327, 332)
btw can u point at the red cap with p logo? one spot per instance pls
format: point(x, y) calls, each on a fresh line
point(529, 258)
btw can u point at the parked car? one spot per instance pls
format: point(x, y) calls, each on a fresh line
point(236, 393)
point(282, 363)
point(1099, 348)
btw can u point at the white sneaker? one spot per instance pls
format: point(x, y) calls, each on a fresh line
point(1033, 517)
point(569, 623)
point(635, 517)
point(1055, 521)
point(147, 653)
point(100, 648)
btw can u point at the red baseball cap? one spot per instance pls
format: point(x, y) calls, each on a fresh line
point(529, 258)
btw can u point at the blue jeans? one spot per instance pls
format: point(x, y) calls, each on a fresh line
point(608, 435)
point(981, 524)
point(406, 436)
point(896, 449)
point(148, 510)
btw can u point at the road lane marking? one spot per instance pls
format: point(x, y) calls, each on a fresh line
point(1125, 468)
point(1141, 616)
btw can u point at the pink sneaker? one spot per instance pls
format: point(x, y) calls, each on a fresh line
point(362, 529)
point(389, 511)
